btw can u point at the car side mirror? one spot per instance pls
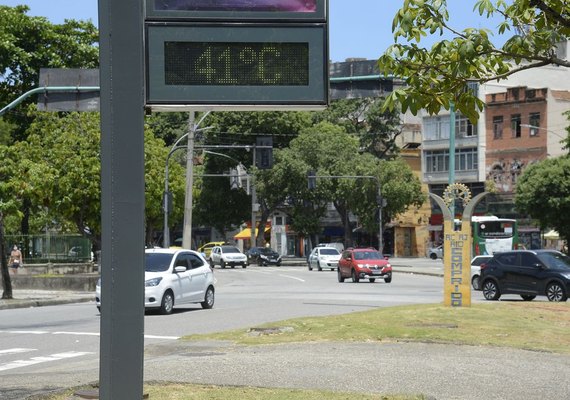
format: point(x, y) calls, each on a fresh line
point(179, 269)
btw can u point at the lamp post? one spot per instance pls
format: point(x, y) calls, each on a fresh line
point(193, 128)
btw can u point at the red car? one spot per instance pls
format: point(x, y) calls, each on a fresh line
point(364, 263)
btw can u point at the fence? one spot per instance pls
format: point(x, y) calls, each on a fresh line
point(51, 248)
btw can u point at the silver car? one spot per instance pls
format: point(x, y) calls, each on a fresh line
point(323, 257)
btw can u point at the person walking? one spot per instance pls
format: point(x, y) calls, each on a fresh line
point(16, 259)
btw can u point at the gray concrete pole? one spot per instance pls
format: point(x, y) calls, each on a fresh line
point(122, 199)
point(253, 237)
point(187, 233)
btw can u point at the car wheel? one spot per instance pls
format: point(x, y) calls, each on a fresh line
point(319, 266)
point(355, 277)
point(491, 290)
point(211, 262)
point(208, 298)
point(244, 265)
point(433, 256)
point(372, 280)
point(99, 308)
point(528, 297)
point(388, 279)
point(222, 264)
point(309, 266)
point(167, 304)
point(475, 282)
point(555, 292)
point(340, 277)
point(278, 264)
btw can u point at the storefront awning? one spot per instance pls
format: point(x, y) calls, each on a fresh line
point(552, 235)
point(246, 234)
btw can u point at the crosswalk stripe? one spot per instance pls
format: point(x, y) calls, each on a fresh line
point(16, 351)
point(39, 360)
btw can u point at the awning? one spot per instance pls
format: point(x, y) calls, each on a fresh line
point(552, 235)
point(246, 233)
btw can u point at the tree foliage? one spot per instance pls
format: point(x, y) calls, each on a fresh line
point(28, 44)
point(543, 192)
point(437, 77)
point(376, 128)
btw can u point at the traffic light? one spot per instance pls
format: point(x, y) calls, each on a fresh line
point(312, 180)
point(264, 152)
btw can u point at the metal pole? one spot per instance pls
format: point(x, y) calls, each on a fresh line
point(252, 241)
point(187, 232)
point(380, 230)
point(452, 155)
point(122, 199)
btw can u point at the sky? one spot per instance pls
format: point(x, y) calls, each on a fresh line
point(357, 28)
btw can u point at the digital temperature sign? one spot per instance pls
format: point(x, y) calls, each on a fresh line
point(237, 65)
point(275, 10)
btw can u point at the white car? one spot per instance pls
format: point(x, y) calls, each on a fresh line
point(227, 255)
point(435, 252)
point(174, 277)
point(323, 257)
point(476, 269)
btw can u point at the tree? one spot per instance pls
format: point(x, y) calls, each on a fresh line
point(438, 76)
point(28, 44)
point(543, 192)
point(376, 128)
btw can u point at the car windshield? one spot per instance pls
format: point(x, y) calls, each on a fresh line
point(329, 252)
point(367, 255)
point(555, 260)
point(157, 262)
point(230, 249)
point(266, 250)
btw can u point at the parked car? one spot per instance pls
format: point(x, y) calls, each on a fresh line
point(227, 255)
point(364, 263)
point(476, 269)
point(323, 257)
point(174, 277)
point(263, 256)
point(206, 249)
point(435, 252)
point(528, 273)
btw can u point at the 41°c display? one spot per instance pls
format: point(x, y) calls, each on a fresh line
point(236, 63)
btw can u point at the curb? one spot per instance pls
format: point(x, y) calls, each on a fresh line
point(15, 303)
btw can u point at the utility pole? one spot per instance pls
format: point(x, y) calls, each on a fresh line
point(252, 241)
point(187, 232)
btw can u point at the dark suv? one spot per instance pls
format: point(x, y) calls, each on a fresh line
point(527, 273)
point(365, 263)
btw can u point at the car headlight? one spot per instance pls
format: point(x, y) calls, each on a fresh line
point(566, 275)
point(152, 282)
point(263, 256)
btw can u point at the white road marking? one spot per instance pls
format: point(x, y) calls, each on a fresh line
point(86, 334)
point(292, 277)
point(16, 351)
point(39, 360)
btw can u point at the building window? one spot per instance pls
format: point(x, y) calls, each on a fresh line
point(278, 220)
point(438, 161)
point(437, 128)
point(516, 125)
point(534, 122)
point(498, 127)
point(464, 127)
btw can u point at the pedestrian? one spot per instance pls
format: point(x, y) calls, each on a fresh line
point(16, 259)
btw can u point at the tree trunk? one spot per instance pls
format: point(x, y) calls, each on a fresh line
point(265, 212)
point(6, 280)
point(343, 211)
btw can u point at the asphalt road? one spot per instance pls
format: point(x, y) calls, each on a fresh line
point(57, 347)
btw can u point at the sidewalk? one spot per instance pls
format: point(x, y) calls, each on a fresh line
point(24, 298)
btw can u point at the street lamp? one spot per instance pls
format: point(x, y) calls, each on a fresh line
point(544, 129)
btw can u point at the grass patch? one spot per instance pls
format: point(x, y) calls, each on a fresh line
point(175, 391)
point(535, 326)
